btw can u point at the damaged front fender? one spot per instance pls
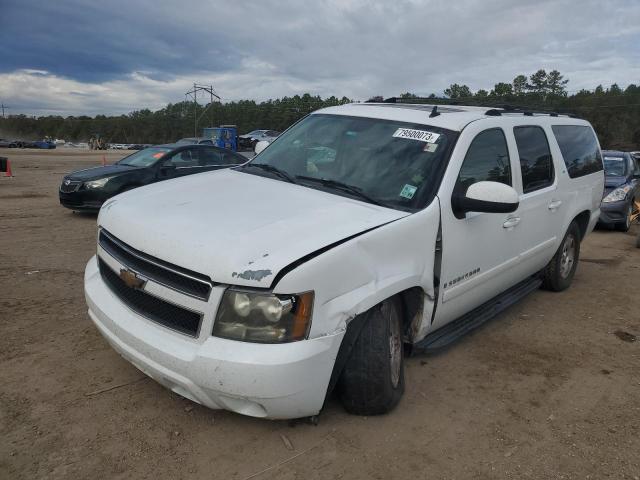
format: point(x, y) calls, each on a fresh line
point(355, 275)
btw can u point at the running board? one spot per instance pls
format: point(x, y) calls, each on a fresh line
point(448, 334)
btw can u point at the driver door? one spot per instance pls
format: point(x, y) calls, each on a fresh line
point(478, 254)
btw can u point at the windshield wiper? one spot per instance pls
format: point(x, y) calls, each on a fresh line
point(352, 189)
point(270, 168)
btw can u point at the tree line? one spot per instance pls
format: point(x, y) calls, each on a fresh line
point(613, 111)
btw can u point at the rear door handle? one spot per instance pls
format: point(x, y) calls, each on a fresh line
point(555, 204)
point(511, 222)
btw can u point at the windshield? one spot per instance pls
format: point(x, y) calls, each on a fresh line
point(391, 163)
point(615, 166)
point(144, 158)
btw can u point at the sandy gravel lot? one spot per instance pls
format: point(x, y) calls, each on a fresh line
point(550, 389)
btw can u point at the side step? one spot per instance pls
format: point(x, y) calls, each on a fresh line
point(449, 333)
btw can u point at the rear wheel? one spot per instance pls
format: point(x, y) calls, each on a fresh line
point(558, 274)
point(372, 381)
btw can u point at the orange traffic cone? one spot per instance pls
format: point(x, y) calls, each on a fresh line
point(104, 161)
point(8, 172)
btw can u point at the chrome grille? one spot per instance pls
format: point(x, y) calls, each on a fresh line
point(171, 276)
point(167, 314)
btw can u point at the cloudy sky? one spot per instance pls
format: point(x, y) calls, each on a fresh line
point(114, 56)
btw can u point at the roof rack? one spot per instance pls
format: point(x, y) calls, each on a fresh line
point(411, 100)
point(504, 109)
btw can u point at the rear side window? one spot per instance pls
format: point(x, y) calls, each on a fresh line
point(487, 160)
point(535, 158)
point(210, 156)
point(579, 148)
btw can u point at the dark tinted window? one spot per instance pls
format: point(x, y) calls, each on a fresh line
point(579, 148)
point(486, 159)
point(535, 158)
point(183, 159)
point(636, 165)
point(210, 156)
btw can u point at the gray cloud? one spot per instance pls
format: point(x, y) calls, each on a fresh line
point(122, 55)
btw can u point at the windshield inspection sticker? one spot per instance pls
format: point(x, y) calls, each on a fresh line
point(420, 135)
point(408, 191)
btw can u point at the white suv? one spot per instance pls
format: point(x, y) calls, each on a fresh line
point(363, 233)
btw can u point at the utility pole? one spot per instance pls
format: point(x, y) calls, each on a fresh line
point(3, 107)
point(194, 94)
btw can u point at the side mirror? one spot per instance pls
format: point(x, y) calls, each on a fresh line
point(260, 146)
point(167, 168)
point(486, 197)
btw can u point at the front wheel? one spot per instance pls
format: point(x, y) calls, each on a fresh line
point(626, 225)
point(558, 274)
point(372, 381)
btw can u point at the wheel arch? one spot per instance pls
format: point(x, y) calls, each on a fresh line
point(411, 303)
point(582, 219)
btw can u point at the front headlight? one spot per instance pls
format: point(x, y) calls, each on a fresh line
point(263, 317)
point(618, 194)
point(97, 183)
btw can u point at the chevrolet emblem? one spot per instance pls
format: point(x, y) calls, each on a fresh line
point(132, 280)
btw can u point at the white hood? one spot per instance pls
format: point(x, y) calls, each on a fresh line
point(234, 227)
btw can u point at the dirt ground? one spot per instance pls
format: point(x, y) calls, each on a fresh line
point(550, 389)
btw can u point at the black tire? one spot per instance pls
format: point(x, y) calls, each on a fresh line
point(372, 381)
point(558, 274)
point(626, 225)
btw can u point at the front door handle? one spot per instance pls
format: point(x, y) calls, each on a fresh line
point(511, 222)
point(555, 204)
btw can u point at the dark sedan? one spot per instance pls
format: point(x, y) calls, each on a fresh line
point(622, 187)
point(87, 190)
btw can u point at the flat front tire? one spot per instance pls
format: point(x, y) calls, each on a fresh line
point(372, 381)
point(558, 274)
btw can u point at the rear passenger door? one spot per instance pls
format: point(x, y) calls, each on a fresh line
point(542, 205)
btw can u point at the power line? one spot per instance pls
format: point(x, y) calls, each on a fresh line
point(194, 94)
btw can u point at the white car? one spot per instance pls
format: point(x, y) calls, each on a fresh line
point(249, 140)
point(364, 233)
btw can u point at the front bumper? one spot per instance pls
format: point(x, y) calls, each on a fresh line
point(271, 381)
point(613, 213)
point(82, 200)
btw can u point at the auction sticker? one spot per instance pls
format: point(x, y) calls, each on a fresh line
point(420, 135)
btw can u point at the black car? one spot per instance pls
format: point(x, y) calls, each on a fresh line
point(87, 190)
point(7, 143)
point(621, 188)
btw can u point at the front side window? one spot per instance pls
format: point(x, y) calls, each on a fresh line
point(579, 148)
point(486, 160)
point(536, 163)
point(183, 159)
point(144, 158)
point(392, 163)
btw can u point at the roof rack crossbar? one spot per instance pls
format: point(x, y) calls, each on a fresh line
point(508, 109)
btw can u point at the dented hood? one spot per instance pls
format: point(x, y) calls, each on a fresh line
point(236, 228)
